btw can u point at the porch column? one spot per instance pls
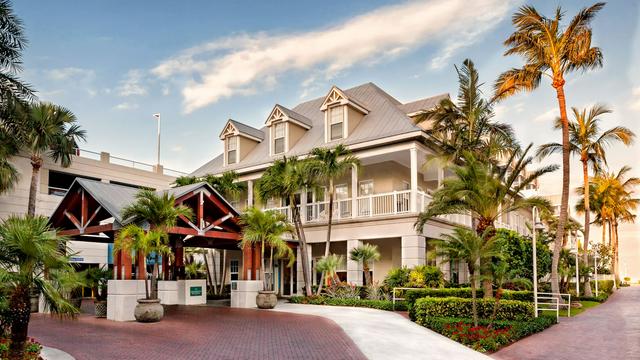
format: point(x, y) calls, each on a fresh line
point(247, 263)
point(354, 191)
point(179, 261)
point(354, 268)
point(249, 193)
point(257, 258)
point(165, 267)
point(300, 277)
point(141, 268)
point(303, 206)
point(413, 250)
point(126, 264)
point(413, 203)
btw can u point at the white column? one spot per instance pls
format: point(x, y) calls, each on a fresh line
point(303, 205)
point(300, 276)
point(413, 152)
point(354, 191)
point(249, 193)
point(413, 250)
point(354, 268)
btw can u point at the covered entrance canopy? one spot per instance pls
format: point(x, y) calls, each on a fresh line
point(91, 211)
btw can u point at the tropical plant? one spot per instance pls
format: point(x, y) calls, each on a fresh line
point(8, 147)
point(266, 229)
point(97, 278)
point(587, 141)
point(468, 125)
point(503, 274)
point(28, 248)
point(365, 253)
point(552, 50)
point(517, 253)
point(226, 184)
point(185, 180)
point(327, 266)
point(397, 277)
point(195, 270)
point(161, 213)
point(12, 43)
point(476, 250)
point(425, 276)
point(284, 179)
point(486, 192)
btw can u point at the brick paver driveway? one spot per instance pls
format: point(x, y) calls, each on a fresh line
point(196, 332)
point(609, 331)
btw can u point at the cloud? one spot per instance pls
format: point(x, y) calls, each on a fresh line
point(244, 63)
point(71, 74)
point(547, 116)
point(177, 148)
point(131, 85)
point(634, 104)
point(126, 106)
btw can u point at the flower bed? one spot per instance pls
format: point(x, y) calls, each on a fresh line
point(322, 300)
point(31, 349)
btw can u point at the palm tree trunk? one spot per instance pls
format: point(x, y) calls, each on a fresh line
point(210, 277)
point(303, 245)
point(327, 246)
point(474, 307)
point(604, 232)
point(223, 279)
point(496, 305)
point(154, 277)
point(262, 274)
point(558, 84)
point(367, 275)
point(487, 284)
point(616, 270)
point(587, 226)
point(272, 280)
point(36, 164)
point(20, 310)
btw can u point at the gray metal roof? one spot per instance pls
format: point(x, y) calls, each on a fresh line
point(294, 115)
point(422, 104)
point(387, 117)
point(247, 130)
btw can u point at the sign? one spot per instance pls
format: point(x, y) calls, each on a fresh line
point(76, 259)
point(195, 291)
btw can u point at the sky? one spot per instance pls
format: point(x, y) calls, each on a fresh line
point(199, 63)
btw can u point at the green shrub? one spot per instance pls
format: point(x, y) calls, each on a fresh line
point(373, 304)
point(605, 286)
point(412, 295)
point(397, 277)
point(425, 276)
point(459, 307)
point(602, 297)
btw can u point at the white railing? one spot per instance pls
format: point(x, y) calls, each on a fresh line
point(547, 301)
point(396, 202)
point(284, 210)
point(319, 211)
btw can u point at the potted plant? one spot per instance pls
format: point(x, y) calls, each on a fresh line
point(266, 229)
point(98, 278)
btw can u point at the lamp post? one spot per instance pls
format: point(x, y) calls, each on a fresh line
point(595, 266)
point(577, 266)
point(537, 225)
point(157, 116)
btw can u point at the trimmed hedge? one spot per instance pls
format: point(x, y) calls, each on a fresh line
point(427, 307)
point(372, 304)
point(606, 286)
point(412, 295)
point(602, 297)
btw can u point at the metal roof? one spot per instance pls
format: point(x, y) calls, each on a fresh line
point(247, 130)
point(294, 115)
point(422, 104)
point(387, 117)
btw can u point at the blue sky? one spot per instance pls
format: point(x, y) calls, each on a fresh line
point(198, 63)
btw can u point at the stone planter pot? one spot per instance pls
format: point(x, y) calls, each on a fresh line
point(148, 310)
point(266, 299)
point(100, 308)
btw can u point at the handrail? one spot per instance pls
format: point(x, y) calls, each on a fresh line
point(394, 298)
point(557, 296)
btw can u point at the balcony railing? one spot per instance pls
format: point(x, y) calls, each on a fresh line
point(396, 202)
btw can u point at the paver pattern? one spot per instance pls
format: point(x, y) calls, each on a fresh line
point(608, 331)
point(198, 332)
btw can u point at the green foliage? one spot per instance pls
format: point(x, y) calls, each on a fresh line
point(343, 291)
point(411, 296)
point(97, 278)
point(322, 300)
point(397, 277)
point(459, 307)
point(425, 276)
point(604, 286)
point(517, 250)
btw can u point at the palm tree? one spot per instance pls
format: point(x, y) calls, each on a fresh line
point(327, 266)
point(45, 129)
point(161, 212)
point(329, 165)
point(226, 184)
point(503, 275)
point(266, 229)
point(185, 180)
point(366, 254)
point(284, 179)
point(551, 50)
point(8, 173)
point(27, 245)
point(476, 250)
point(486, 192)
point(467, 125)
point(12, 43)
point(587, 141)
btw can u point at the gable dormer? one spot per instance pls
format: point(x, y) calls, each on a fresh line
point(342, 114)
point(239, 139)
point(286, 128)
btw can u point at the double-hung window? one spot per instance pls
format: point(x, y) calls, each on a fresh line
point(336, 122)
point(234, 266)
point(278, 138)
point(232, 149)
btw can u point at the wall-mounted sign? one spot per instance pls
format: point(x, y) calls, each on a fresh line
point(76, 259)
point(195, 291)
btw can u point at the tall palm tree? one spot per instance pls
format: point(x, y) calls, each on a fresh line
point(161, 212)
point(266, 229)
point(468, 125)
point(226, 184)
point(185, 180)
point(365, 253)
point(12, 43)
point(329, 165)
point(8, 173)
point(588, 142)
point(46, 129)
point(476, 250)
point(284, 179)
point(552, 50)
point(28, 245)
point(486, 192)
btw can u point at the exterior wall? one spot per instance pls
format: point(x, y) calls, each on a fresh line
point(295, 134)
point(354, 117)
point(245, 146)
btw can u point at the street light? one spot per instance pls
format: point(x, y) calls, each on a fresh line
point(537, 225)
point(157, 116)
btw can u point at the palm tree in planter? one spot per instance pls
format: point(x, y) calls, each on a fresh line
point(28, 245)
point(366, 253)
point(476, 250)
point(266, 229)
point(97, 278)
point(328, 266)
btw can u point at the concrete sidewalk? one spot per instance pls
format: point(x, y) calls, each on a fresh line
point(387, 335)
point(49, 353)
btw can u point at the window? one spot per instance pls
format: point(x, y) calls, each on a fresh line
point(342, 192)
point(366, 188)
point(60, 182)
point(336, 120)
point(232, 147)
point(278, 138)
point(233, 269)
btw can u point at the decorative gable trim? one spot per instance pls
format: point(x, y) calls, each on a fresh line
point(230, 129)
point(280, 113)
point(337, 97)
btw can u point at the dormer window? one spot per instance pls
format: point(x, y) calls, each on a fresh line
point(232, 149)
point(278, 138)
point(336, 122)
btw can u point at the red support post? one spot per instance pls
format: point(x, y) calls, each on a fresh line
point(256, 263)
point(179, 261)
point(247, 263)
point(126, 263)
point(141, 268)
point(117, 264)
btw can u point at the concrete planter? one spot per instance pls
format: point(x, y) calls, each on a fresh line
point(148, 310)
point(100, 308)
point(266, 299)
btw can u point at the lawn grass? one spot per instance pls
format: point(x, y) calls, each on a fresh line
point(575, 311)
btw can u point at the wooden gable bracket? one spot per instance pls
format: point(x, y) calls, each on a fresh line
point(85, 220)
